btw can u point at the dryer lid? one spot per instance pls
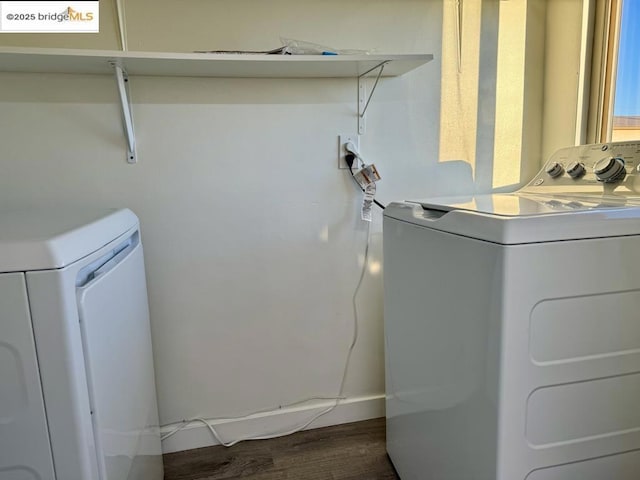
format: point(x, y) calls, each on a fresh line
point(45, 239)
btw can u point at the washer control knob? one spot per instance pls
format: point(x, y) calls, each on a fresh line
point(554, 169)
point(576, 169)
point(609, 170)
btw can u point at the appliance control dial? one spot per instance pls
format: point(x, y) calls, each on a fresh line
point(576, 169)
point(554, 169)
point(609, 169)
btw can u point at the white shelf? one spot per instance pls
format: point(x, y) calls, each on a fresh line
point(124, 64)
point(42, 60)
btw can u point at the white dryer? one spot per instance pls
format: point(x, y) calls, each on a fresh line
point(77, 388)
point(512, 326)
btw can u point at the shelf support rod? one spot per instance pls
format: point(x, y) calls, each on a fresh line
point(363, 99)
point(122, 81)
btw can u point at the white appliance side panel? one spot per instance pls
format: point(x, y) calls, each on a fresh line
point(54, 310)
point(572, 329)
point(25, 452)
point(562, 414)
point(114, 316)
point(570, 387)
point(442, 334)
point(624, 466)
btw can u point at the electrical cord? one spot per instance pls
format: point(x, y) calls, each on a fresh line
point(350, 158)
point(185, 423)
point(337, 399)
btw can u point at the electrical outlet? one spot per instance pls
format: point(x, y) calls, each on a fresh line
point(342, 140)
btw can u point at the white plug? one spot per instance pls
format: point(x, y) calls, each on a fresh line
point(348, 144)
point(351, 148)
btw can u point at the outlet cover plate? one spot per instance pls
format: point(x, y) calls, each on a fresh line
point(342, 140)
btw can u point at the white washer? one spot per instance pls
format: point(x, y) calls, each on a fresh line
point(512, 326)
point(77, 388)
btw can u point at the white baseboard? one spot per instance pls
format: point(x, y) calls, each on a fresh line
point(197, 435)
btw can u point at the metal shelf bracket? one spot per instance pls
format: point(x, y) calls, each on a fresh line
point(363, 99)
point(122, 81)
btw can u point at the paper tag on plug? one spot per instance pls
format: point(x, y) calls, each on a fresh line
point(367, 202)
point(367, 175)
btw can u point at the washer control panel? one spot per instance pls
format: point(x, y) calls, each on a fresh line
point(576, 169)
point(610, 169)
point(554, 169)
point(591, 169)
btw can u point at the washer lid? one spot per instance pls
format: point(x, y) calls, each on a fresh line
point(586, 191)
point(45, 239)
point(521, 204)
point(518, 218)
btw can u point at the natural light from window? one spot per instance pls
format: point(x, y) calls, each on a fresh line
point(626, 111)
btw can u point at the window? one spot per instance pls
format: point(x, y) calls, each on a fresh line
point(626, 109)
point(614, 112)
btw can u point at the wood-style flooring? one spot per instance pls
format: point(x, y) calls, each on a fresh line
point(353, 451)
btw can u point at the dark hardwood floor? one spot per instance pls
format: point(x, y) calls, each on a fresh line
point(354, 451)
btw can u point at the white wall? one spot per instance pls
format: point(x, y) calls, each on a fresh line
point(561, 74)
point(252, 235)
